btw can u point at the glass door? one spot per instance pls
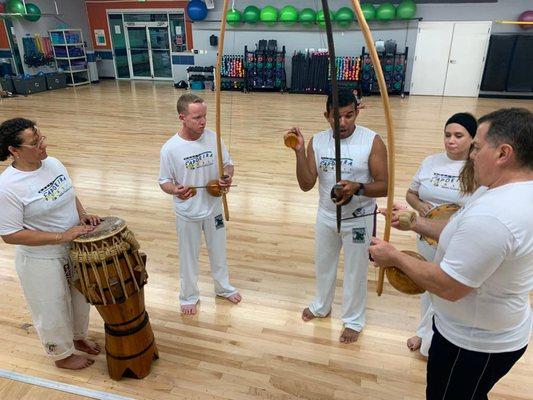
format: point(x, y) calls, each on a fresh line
point(139, 52)
point(148, 47)
point(160, 45)
point(118, 38)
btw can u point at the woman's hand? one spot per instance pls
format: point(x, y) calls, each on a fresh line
point(423, 208)
point(90, 219)
point(74, 232)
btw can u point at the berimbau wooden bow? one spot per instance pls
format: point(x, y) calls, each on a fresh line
point(335, 96)
point(218, 84)
point(390, 131)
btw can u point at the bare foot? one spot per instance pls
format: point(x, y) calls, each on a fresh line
point(74, 361)
point(87, 346)
point(307, 315)
point(235, 298)
point(414, 343)
point(188, 309)
point(349, 336)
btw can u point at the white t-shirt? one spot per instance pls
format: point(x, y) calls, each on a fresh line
point(41, 200)
point(193, 163)
point(437, 180)
point(488, 245)
point(355, 152)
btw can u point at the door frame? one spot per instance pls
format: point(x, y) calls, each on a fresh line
point(123, 11)
point(146, 26)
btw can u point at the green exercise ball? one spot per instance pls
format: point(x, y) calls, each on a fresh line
point(307, 17)
point(269, 15)
point(321, 20)
point(344, 16)
point(288, 15)
point(233, 17)
point(369, 11)
point(386, 12)
point(33, 13)
point(15, 7)
point(251, 14)
point(406, 9)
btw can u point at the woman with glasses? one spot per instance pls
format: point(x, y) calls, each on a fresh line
point(41, 215)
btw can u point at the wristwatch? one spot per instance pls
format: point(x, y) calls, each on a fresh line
point(361, 190)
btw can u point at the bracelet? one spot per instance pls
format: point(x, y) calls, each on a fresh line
point(58, 237)
point(83, 213)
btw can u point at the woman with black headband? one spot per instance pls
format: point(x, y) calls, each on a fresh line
point(437, 182)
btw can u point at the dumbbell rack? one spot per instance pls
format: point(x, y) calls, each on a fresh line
point(393, 66)
point(200, 74)
point(265, 70)
point(348, 73)
point(233, 73)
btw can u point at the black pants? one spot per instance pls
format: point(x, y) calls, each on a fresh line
point(454, 373)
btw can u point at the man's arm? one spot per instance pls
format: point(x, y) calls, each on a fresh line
point(427, 275)
point(306, 172)
point(377, 164)
point(421, 225)
point(429, 227)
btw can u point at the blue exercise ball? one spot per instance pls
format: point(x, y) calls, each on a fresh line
point(196, 10)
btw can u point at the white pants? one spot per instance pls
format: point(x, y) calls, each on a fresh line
point(425, 326)
point(59, 311)
point(190, 239)
point(355, 239)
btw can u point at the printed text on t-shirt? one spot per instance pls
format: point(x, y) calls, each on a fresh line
point(57, 188)
point(201, 160)
point(445, 181)
point(327, 164)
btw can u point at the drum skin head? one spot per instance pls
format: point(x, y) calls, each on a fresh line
point(439, 213)
point(109, 226)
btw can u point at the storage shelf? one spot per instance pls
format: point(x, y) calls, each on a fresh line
point(78, 83)
point(73, 61)
point(67, 44)
point(70, 58)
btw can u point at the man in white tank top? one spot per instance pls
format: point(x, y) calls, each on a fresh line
point(482, 273)
point(364, 177)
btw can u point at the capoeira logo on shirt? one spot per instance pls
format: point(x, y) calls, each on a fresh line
point(57, 188)
point(445, 181)
point(201, 160)
point(327, 164)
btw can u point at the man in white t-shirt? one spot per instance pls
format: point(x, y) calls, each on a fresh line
point(483, 270)
point(363, 178)
point(188, 160)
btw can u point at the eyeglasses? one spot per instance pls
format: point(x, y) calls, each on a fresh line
point(41, 141)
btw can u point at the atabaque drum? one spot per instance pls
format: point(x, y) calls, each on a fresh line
point(111, 274)
point(439, 213)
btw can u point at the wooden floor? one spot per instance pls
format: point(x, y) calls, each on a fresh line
point(109, 136)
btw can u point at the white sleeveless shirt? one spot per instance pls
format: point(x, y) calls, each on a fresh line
point(355, 152)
